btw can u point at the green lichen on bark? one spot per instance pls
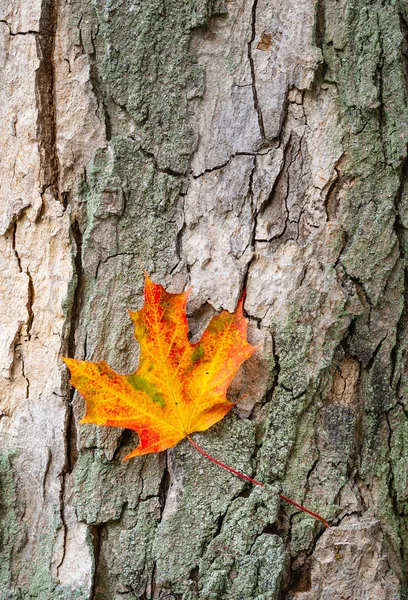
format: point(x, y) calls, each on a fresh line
point(373, 92)
point(35, 579)
point(11, 532)
point(362, 45)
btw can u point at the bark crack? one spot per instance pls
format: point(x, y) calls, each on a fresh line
point(380, 85)
point(95, 81)
point(46, 100)
point(16, 254)
point(252, 67)
point(108, 258)
point(30, 302)
point(400, 230)
point(46, 471)
point(153, 158)
point(227, 162)
point(254, 221)
point(96, 536)
point(71, 431)
point(14, 33)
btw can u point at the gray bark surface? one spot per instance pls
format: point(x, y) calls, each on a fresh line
point(224, 145)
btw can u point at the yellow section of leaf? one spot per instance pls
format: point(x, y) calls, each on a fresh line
point(179, 387)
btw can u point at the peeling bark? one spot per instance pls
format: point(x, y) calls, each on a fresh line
point(225, 145)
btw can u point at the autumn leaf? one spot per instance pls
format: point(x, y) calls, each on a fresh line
point(179, 387)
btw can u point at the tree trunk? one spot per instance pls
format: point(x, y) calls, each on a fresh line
point(224, 145)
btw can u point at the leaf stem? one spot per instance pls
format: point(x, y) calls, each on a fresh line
point(243, 476)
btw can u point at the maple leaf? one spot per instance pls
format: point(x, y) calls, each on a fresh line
point(179, 388)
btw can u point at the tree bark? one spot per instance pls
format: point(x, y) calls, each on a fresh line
point(224, 145)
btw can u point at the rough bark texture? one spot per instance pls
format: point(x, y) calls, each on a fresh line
point(258, 144)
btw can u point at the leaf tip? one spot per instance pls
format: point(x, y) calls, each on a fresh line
point(69, 362)
point(132, 454)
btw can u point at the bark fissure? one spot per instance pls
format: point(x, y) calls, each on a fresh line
point(400, 232)
point(96, 536)
point(110, 257)
point(27, 393)
point(96, 82)
point(300, 569)
point(255, 213)
point(394, 499)
point(164, 487)
point(14, 33)
point(280, 192)
point(232, 156)
point(253, 74)
point(157, 168)
point(30, 302)
point(16, 254)
point(46, 99)
point(74, 319)
point(380, 86)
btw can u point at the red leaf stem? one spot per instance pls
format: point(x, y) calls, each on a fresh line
point(243, 476)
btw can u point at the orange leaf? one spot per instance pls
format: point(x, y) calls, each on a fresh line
point(179, 387)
